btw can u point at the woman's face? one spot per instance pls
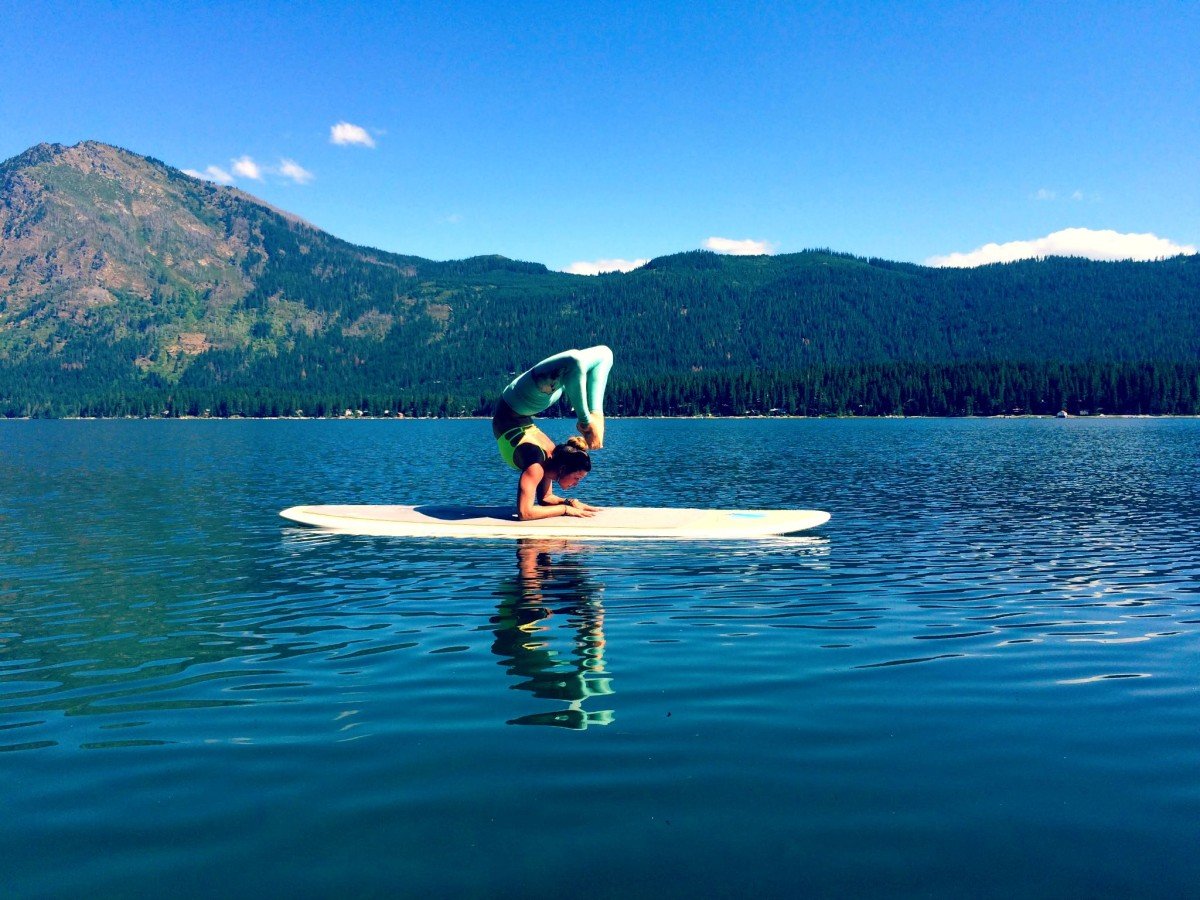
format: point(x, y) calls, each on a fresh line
point(566, 482)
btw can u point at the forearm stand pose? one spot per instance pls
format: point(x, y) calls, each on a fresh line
point(582, 376)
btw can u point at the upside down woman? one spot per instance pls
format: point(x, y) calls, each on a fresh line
point(580, 374)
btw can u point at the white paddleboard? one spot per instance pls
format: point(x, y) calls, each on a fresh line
point(502, 522)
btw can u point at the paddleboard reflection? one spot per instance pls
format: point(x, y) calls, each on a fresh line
point(549, 634)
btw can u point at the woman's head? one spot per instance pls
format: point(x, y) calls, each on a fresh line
point(570, 462)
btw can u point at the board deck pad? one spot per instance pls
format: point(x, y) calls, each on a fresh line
point(502, 522)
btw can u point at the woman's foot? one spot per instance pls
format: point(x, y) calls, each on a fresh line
point(593, 432)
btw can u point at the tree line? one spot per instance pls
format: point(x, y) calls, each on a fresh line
point(869, 389)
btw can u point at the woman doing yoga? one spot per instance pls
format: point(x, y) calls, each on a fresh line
point(582, 376)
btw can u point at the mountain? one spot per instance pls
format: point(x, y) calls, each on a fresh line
point(127, 286)
point(98, 244)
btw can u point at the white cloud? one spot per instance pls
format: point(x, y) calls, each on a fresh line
point(746, 247)
point(1046, 195)
point(1085, 242)
point(596, 267)
point(454, 218)
point(289, 168)
point(212, 173)
point(344, 133)
point(247, 168)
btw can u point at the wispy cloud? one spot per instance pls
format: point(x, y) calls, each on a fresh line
point(1046, 195)
point(345, 134)
point(1085, 242)
point(212, 173)
point(744, 247)
point(453, 218)
point(245, 167)
point(289, 168)
point(599, 266)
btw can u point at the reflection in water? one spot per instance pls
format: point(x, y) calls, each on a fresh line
point(524, 634)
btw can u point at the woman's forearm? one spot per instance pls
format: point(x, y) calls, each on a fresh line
point(525, 513)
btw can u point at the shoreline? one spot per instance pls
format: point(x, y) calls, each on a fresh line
point(365, 418)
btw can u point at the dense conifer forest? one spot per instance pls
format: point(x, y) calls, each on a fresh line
point(821, 334)
point(925, 389)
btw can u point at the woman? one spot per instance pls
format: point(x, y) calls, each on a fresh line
point(580, 374)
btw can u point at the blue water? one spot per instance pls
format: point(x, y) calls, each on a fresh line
point(981, 678)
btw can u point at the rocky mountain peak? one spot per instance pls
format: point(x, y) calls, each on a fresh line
point(83, 225)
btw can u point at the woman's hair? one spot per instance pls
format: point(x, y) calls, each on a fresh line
point(571, 456)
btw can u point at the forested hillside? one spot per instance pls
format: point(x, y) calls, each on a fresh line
point(128, 287)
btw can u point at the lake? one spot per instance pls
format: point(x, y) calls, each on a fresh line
point(981, 678)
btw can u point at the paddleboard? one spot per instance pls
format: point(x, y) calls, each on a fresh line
point(502, 522)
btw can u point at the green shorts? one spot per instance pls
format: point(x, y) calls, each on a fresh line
point(509, 430)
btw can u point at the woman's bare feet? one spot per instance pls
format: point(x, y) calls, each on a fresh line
point(593, 432)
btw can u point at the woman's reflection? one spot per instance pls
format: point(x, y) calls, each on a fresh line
point(524, 629)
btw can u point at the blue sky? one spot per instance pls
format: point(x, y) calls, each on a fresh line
point(571, 133)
